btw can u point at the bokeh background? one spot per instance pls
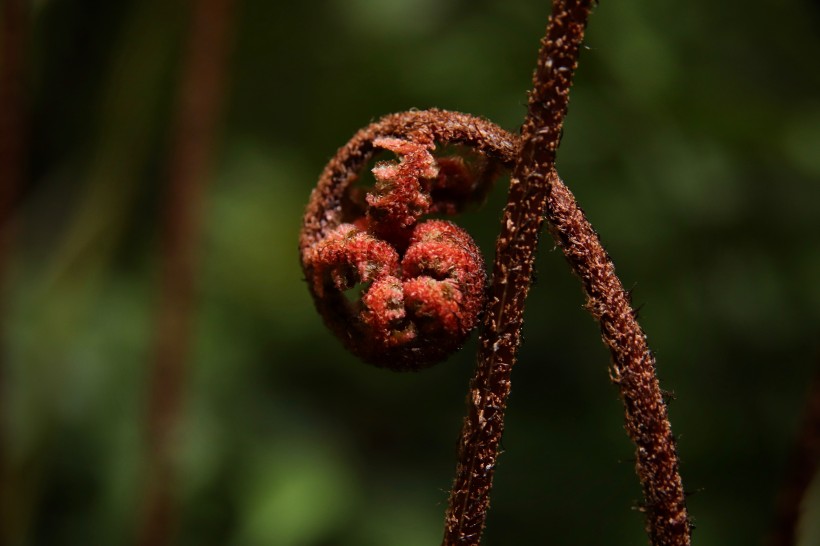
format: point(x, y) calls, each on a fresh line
point(692, 142)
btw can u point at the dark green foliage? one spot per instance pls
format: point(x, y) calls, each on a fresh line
point(691, 142)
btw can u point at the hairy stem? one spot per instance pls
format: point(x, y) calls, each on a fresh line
point(632, 370)
point(512, 273)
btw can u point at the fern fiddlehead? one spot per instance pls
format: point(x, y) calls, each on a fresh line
point(424, 280)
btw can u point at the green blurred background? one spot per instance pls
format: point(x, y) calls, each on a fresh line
point(692, 142)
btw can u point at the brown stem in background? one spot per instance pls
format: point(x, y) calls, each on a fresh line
point(14, 22)
point(13, 127)
point(512, 273)
point(633, 368)
point(199, 101)
point(803, 468)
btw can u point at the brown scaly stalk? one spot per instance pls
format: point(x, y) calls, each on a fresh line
point(199, 100)
point(535, 190)
point(632, 368)
point(369, 242)
point(512, 273)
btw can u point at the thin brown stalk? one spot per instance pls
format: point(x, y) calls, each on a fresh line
point(199, 100)
point(14, 18)
point(512, 273)
point(803, 468)
point(632, 368)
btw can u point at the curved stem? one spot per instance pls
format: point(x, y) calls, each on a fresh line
point(324, 210)
point(392, 325)
point(199, 103)
point(632, 370)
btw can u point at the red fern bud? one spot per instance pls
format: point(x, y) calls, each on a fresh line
point(422, 282)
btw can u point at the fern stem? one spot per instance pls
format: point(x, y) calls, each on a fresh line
point(632, 368)
point(198, 107)
point(536, 191)
point(512, 273)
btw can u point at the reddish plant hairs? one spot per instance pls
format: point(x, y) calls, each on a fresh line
point(396, 322)
point(536, 192)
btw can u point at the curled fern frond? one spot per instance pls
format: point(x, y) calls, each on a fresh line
point(422, 281)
